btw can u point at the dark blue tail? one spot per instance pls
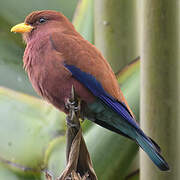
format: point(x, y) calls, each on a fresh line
point(153, 151)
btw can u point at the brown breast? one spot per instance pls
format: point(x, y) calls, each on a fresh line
point(49, 77)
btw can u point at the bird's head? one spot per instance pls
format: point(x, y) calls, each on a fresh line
point(39, 23)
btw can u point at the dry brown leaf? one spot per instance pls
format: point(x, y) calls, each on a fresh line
point(79, 165)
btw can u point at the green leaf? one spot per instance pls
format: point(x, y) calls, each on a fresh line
point(116, 31)
point(6, 174)
point(133, 177)
point(11, 68)
point(28, 125)
point(56, 157)
point(84, 19)
point(129, 80)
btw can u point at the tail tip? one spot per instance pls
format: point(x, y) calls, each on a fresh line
point(164, 167)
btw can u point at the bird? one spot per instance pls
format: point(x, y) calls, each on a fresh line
point(57, 57)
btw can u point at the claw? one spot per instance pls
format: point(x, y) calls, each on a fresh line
point(72, 105)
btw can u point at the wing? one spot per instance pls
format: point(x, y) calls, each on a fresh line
point(96, 88)
point(83, 55)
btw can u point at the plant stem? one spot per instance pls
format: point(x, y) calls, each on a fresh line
point(160, 95)
point(116, 31)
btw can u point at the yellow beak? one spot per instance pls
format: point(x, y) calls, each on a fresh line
point(22, 28)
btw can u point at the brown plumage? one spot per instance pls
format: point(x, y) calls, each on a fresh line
point(55, 42)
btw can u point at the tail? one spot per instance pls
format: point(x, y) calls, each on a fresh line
point(153, 151)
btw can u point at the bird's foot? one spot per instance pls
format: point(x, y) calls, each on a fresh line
point(72, 105)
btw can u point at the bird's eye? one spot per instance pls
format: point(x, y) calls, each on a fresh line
point(42, 20)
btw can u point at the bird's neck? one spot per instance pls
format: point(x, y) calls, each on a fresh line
point(36, 46)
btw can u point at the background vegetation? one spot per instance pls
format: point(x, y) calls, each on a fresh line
point(32, 132)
